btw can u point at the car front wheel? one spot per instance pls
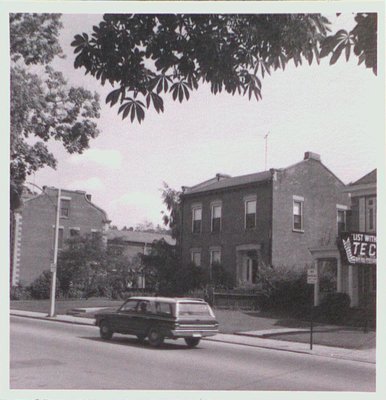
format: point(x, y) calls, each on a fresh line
point(155, 337)
point(105, 331)
point(192, 341)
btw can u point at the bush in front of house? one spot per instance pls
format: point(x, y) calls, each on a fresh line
point(334, 307)
point(284, 290)
point(40, 288)
point(19, 292)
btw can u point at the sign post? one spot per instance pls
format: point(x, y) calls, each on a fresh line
point(312, 278)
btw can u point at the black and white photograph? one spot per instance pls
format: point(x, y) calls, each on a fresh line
point(191, 199)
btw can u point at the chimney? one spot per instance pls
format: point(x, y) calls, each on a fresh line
point(309, 155)
point(88, 197)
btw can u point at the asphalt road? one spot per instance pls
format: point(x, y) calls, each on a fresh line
point(52, 355)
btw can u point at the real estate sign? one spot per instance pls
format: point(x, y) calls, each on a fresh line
point(359, 248)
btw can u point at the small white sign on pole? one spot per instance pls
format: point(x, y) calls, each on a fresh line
point(312, 275)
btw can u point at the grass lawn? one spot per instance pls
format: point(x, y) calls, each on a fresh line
point(230, 320)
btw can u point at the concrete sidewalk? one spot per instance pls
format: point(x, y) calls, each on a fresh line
point(251, 338)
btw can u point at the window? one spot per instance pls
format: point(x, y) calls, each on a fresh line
point(371, 215)
point(298, 203)
point(250, 214)
point(60, 238)
point(216, 217)
point(196, 219)
point(215, 256)
point(64, 208)
point(195, 256)
point(74, 232)
point(129, 306)
point(95, 234)
point(341, 219)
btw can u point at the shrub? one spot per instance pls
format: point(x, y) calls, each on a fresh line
point(334, 307)
point(40, 288)
point(19, 292)
point(285, 290)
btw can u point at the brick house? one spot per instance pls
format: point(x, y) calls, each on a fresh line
point(355, 251)
point(266, 218)
point(132, 243)
point(34, 229)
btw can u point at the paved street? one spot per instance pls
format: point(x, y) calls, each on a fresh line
point(47, 355)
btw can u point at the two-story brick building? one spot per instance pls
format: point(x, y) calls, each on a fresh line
point(34, 229)
point(267, 218)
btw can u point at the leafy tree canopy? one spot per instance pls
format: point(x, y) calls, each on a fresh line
point(43, 106)
point(148, 56)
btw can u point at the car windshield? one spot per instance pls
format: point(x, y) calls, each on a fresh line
point(193, 309)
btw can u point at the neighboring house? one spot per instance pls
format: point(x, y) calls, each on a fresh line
point(356, 249)
point(34, 229)
point(266, 218)
point(132, 243)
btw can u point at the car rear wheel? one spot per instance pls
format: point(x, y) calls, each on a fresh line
point(192, 341)
point(155, 337)
point(105, 331)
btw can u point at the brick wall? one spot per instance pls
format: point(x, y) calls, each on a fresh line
point(233, 231)
point(322, 191)
point(37, 234)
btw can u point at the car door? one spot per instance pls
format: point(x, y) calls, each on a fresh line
point(142, 318)
point(124, 319)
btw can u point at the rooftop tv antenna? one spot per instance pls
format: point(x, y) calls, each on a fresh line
point(266, 148)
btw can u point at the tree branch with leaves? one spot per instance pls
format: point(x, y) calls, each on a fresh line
point(148, 57)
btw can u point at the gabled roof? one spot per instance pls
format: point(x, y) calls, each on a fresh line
point(227, 182)
point(371, 177)
point(139, 237)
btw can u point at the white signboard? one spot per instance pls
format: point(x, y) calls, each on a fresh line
point(312, 275)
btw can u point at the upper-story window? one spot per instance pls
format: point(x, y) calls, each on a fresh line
point(341, 218)
point(216, 217)
point(64, 208)
point(250, 213)
point(371, 214)
point(298, 213)
point(196, 219)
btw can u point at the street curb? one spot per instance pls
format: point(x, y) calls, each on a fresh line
point(309, 352)
point(53, 319)
point(78, 321)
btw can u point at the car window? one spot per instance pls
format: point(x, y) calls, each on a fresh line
point(193, 309)
point(143, 307)
point(130, 305)
point(163, 308)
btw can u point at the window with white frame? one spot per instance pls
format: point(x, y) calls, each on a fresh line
point(195, 257)
point(250, 213)
point(341, 218)
point(216, 217)
point(65, 207)
point(196, 219)
point(215, 255)
point(298, 213)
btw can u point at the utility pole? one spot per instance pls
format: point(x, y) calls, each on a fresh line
point(56, 240)
point(266, 148)
point(54, 264)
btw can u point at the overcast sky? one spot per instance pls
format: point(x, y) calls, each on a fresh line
point(326, 109)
